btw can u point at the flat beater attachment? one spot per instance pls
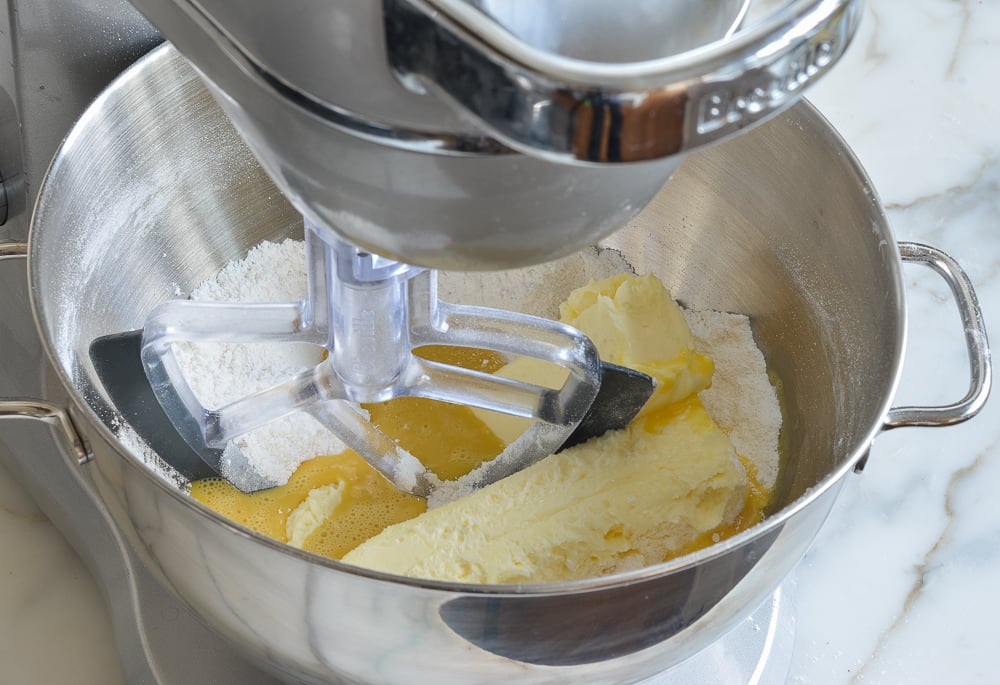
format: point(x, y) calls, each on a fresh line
point(370, 314)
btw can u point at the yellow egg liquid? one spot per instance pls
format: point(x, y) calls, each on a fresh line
point(369, 504)
point(448, 439)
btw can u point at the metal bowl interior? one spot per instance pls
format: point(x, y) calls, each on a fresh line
point(153, 192)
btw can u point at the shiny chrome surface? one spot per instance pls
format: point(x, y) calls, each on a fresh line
point(439, 211)
point(980, 366)
point(336, 53)
point(599, 31)
point(314, 95)
point(55, 57)
point(41, 410)
point(767, 224)
point(47, 412)
point(580, 110)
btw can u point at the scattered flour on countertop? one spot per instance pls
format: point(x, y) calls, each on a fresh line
point(741, 398)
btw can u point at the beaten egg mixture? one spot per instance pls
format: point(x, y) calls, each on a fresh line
point(667, 485)
point(365, 502)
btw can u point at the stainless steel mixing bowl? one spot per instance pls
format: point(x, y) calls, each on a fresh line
point(153, 192)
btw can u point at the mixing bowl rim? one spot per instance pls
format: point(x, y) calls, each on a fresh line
point(775, 521)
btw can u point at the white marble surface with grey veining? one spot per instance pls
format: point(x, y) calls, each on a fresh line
point(900, 586)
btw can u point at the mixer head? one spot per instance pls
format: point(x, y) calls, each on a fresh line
point(496, 133)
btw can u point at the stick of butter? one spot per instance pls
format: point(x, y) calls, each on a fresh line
point(621, 501)
point(634, 322)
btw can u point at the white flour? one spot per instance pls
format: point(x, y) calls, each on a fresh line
point(221, 373)
point(741, 400)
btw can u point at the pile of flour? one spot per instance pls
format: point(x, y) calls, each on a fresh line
point(221, 373)
point(741, 399)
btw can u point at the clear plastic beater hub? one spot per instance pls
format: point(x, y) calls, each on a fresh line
point(370, 314)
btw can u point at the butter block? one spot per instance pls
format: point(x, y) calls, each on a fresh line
point(634, 322)
point(622, 501)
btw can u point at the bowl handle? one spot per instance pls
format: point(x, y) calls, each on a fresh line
point(18, 407)
point(975, 339)
point(15, 407)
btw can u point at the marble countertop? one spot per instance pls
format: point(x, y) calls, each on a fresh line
point(899, 587)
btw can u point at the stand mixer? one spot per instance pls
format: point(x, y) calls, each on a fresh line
point(599, 171)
